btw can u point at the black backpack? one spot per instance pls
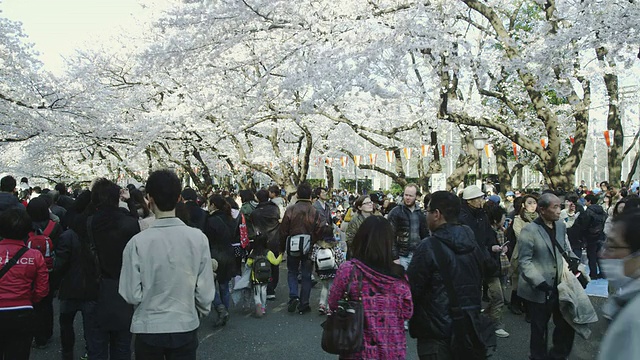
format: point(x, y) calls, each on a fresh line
point(261, 269)
point(596, 227)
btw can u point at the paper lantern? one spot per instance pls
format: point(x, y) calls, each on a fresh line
point(373, 158)
point(543, 142)
point(407, 153)
point(515, 150)
point(390, 156)
point(487, 150)
point(343, 161)
point(425, 150)
point(356, 159)
point(573, 141)
point(608, 135)
point(444, 151)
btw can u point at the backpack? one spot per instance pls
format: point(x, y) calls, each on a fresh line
point(40, 240)
point(325, 259)
point(261, 269)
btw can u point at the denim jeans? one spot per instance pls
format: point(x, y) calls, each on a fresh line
point(222, 295)
point(295, 266)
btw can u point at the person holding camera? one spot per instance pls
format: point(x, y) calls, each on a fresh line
point(542, 246)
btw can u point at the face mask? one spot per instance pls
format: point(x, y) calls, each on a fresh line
point(613, 269)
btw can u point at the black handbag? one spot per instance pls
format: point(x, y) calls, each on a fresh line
point(473, 332)
point(343, 330)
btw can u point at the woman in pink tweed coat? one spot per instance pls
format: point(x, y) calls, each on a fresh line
point(386, 295)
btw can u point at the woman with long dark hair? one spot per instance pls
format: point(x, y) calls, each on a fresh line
point(218, 232)
point(385, 292)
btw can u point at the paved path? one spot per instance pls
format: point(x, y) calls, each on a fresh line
point(283, 335)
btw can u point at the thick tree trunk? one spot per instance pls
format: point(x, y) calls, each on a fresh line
point(615, 155)
point(330, 179)
point(466, 160)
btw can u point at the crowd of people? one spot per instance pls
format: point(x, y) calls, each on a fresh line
point(153, 260)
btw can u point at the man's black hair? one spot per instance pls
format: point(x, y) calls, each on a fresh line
point(447, 203)
point(262, 195)
point(304, 191)
point(8, 184)
point(591, 198)
point(318, 190)
point(104, 193)
point(164, 187)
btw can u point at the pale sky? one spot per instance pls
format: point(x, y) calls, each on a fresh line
point(58, 27)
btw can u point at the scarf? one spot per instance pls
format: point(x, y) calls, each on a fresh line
point(529, 216)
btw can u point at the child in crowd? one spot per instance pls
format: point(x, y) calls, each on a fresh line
point(327, 256)
point(260, 260)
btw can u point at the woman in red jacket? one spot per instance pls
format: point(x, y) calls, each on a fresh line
point(24, 284)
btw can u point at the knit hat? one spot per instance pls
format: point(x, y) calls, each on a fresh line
point(510, 193)
point(472, 192)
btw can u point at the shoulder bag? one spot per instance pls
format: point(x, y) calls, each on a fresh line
point(342, 332)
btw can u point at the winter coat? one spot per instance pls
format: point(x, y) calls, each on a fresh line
point(386, 301)
point(75, 267)
point(478, 221)
point(575, 226)
point(593, 224)
point(9, 201)
point(197, 216)
point(431, 315)
point(112, 229)
point(620, 342)
point(219, 235)
point(410, 228)
point(300, 218)
point(266, 220)
point(27, 282)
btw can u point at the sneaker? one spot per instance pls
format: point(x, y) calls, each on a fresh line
point(259, 310)
point(322, 309)
point(501, 333)
point(264, 310)
point(271, 297)
point(304, 309)
point(293, 304)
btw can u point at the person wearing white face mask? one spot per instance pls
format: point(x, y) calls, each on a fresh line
point(621, 259)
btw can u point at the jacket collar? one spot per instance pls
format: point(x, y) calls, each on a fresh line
point(167, 222)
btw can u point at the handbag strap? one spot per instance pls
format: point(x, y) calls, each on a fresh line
point(348, 289)
point(436, 244)
point(13, 261)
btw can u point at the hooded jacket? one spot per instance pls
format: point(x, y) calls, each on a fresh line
point(431, 315)
point(386, 301)
point(266, 220)
point(218, 232)
point(593, 223)
point(27, 282)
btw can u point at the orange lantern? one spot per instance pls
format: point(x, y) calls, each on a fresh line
point(543, 142)
point(373, 158)
point(425, 150)
point(407, 153)
point(515, 149)
point(573, 141)
point(356, 159)
point(343, 161)
point(444, 150)
point(390, 156)
point(608, 134)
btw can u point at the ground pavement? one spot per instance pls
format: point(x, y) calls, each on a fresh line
point(283, 335)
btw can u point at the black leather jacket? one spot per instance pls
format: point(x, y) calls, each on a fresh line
point(401, 217)
point(431, 317)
